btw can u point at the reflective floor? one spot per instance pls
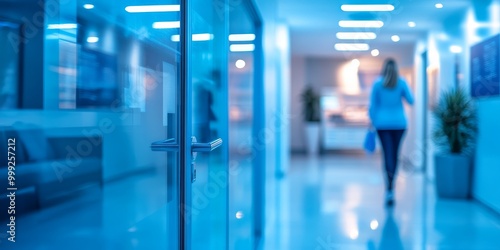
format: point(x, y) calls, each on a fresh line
point(337, 202)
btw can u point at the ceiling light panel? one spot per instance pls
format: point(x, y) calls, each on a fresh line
point(356, 35)
point(62, 26)
point(241, 47)
point(367, 7)
point(352, 47)
point(241, 37)
point(167, 25)
point(152, 8)
point(361, 24)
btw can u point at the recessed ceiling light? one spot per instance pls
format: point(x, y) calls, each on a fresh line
point(412, 24)
point(88, 6)
point(355, 63)
point(241, 37)
point(153, 8)
point(240, 64)
point(241, 47)
point(352, 46)
point(367, 7)
point(92, 39)
point(395, 38)
point(356, 35)
point(361, 24)
point(456, 49)
point(375, 52)
point(439, 5)
point(167, 25)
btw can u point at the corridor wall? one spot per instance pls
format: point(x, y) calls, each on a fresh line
point(477, 24)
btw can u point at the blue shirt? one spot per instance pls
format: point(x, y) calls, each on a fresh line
point(386, 105)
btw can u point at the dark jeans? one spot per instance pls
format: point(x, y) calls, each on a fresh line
point(391, 140)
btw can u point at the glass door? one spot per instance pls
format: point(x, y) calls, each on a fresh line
point(207, 193)
point(200, 139)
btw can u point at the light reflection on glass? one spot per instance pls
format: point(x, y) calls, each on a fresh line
point(239, 215)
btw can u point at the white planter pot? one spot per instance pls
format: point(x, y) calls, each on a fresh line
point(312, 133)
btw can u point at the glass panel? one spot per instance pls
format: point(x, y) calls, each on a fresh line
point(9, 64)
point(85, 175)
point(208, 63)
point(241, 113)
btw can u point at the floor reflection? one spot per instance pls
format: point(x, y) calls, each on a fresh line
point(390, 240)
point(337, 202)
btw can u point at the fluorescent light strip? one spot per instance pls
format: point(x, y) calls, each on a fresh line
point(361, 24)
point(352, 47)
point(202, 37)
point(241, 37)
point(167, 25)
point(152, 8)
point(356, 35)
point(88, 6)
point(367, 7)
point(241, 47)
point(195, 37)
point(62, 26)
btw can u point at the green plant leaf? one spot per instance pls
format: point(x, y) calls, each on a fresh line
point(455, 122)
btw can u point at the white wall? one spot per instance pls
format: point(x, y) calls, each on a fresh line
point(276, 46)
point(465, 30)
point(487, 161)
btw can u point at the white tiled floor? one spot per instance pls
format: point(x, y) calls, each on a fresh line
point(336, 202)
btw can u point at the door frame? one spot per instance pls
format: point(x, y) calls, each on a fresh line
point(259, 155)
point(184, 130)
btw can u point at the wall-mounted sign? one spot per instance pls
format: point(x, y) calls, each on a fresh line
point(485, 68)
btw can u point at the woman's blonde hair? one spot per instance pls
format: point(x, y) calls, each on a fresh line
point(390, 73)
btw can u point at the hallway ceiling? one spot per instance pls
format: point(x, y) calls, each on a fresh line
point(314, 24)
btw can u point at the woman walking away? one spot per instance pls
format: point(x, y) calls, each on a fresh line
point(388, 117)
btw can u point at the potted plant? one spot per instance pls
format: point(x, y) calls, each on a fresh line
point(454, 134)
point(311, 112)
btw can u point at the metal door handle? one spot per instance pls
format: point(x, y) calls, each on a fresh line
point(165, 145)
point(172, 145)
point(206, 147)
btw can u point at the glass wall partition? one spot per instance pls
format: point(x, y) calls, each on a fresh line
point(120, 119)
point(245, 124)
point(99, 82)
point(207, 197)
